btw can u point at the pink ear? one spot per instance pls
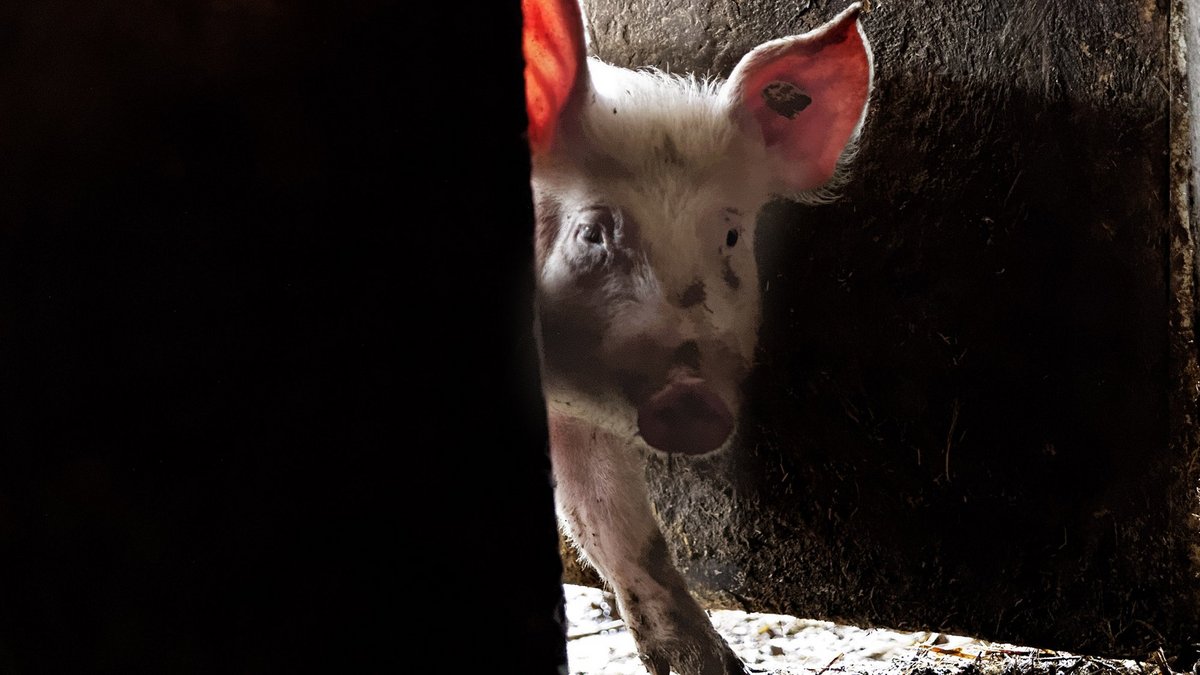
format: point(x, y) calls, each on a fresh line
point(555, 66)
point(807, 94)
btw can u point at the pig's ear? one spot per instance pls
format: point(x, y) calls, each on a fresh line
point(807, 96)
point(555, 64)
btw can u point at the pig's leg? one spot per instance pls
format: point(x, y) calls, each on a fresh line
point(600, 491)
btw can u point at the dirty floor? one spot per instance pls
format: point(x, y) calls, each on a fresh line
point(774, 644)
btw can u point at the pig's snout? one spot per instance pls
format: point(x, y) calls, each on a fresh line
point(685, 416)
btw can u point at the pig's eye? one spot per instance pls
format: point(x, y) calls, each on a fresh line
point(591, 234)
point(596, 227)
point(731, 238)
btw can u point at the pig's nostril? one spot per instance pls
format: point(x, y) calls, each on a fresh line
point(688, 354)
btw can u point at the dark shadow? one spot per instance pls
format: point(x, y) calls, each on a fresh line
point(267, 381)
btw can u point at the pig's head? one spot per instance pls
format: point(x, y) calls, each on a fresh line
point(647, 188)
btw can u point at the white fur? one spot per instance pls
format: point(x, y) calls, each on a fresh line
point(672, 158)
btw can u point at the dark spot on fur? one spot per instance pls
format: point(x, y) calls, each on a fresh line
point(689, 622)
point(694, 295)
point(729, 276)
point(604, 166)
point(657, 560)
point(670, 152)
point(785, 98)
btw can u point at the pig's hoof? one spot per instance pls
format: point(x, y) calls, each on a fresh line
point(685, 416)
point(692, 660)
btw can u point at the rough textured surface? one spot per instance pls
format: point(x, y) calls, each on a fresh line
point(972, 412)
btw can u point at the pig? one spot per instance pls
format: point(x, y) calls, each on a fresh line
point(646, 188)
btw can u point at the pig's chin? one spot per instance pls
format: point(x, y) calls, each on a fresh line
point(686, 416)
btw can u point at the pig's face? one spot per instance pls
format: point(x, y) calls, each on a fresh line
point(648, 290)
point(647, 189)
